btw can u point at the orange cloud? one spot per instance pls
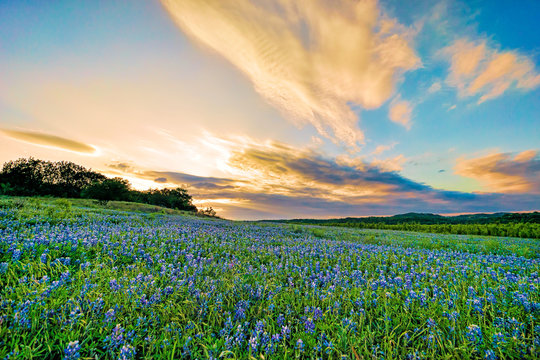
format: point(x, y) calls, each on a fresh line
point(502, 172)
point(382, 148)
point(400, 113)
point(309, 58)
point(38, 138)
point(391, 164)
point(276, 180)
point(477, 70)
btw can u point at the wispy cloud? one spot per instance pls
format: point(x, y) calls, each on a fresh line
point(382, 148)
point(435, 87)
point(42, 139)
point(309, 58)
point(400, 113)
point(476, 69)
point(504, 172)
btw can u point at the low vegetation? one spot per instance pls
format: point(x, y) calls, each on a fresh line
point(81, 282)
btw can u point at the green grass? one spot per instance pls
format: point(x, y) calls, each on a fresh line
point(183, 287)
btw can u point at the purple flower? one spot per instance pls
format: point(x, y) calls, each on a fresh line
point(72, 351)
point(16, 254)
point(474, 334)
point(300, 345)
point(310, 326)
point(127, 352)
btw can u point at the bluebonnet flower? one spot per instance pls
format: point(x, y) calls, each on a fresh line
point(110, 315)
point(114, 285)
point(65, 276)
point(349, 324)
point(168, 290)
point(309, 326)
point(254, 343)
point(498, 339)
point(127, 352)
point(16, 255)
point(285, 331)
point(474, 333)
point(280, 319)
point(72, 351)
point(300, 345)
point(116, 339)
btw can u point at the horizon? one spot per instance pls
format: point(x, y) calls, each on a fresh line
point(283, 109)
point(418, 213)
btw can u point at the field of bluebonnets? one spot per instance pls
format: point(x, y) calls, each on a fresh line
point(102, 284)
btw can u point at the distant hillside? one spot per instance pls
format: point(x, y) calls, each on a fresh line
point(525, 225)
point(429, 219)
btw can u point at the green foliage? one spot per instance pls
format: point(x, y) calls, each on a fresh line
point(107, 190)
point(523, 230)
point(33, 177)
point(176, 198)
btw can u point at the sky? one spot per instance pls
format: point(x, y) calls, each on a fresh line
point(274, 109)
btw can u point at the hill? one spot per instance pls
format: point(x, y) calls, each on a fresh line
point(525, 225)
point(429, 219)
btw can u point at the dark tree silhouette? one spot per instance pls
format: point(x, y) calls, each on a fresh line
point(33, 177)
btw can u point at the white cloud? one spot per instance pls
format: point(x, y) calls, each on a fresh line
point(435, 87)
point(309, 58)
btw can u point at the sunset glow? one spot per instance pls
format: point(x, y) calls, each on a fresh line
point(278, 109)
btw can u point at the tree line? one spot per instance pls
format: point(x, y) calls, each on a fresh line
point(523, 230)
point(524, 225)
point(34, 177)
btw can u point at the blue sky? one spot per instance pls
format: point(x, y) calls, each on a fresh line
point(266, 96)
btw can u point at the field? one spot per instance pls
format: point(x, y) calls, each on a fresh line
point(88, 282)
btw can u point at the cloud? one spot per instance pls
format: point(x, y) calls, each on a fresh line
point(276, 180)
point(485, 72)
point(38, 138)
point(391, 164)
point(435, 87)
point(191, 181)
point(173, 178)
point(311, 59)
point(400, 113)
point(504, 172)
point(382, 148)
point(291, 169)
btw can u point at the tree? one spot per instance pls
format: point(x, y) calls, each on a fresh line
point(108, 189)
point(38, 177)
point(176, 198)
point(33, 177)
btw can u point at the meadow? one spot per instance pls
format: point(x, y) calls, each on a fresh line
point(82, 281)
